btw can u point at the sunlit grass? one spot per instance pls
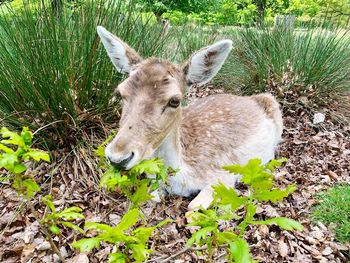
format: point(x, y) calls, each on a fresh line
point(53, 68)
point(333, 209)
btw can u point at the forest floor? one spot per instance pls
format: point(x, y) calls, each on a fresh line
point(318, 157)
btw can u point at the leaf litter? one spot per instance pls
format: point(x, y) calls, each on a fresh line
point(318, 156)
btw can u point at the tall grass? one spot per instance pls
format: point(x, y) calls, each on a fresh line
point(53, 69)
point(314, 62)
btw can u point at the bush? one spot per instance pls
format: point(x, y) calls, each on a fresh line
point(313, 62)
point(53, 69)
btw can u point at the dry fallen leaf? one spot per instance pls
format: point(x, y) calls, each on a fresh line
point(283, 248)
point(81, 258)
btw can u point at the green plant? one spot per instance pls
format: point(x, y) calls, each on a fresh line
point(333, 209)
point(227, 203)
point(53, 219)
point(130, 244)
point(312, 62)
point(15, 152)
point(14, 160)
point(131, 183)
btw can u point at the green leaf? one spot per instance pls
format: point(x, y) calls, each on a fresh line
point(275, 162)
point(19, 168)
point(140, 252)
point(251, 210)
point(154, 167)
point(200, 234)
point(37, 155)
point(116, 236)
point(129, 219)
point(141, 194)
point(48, 201)
point(14, 138)
point(100, 151)
point(5, 149)
point(112, 178)
point(71, 213)
point(8, 161)
point(27, 136)
point(226, 237)
point(73, 226)
point(282, 222)
point(97, 226)
point(239, 250)
point(87, 244)
point(274, 195)
point(228, 196)
point(254, 174)
point(117, 258)
point(151, 166)
point(143, 233)
point(31, 187)
point(55, 229)
point(250, 169)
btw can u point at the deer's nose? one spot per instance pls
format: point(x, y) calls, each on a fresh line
point(123, 162)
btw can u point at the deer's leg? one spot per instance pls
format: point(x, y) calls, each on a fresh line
point(203, 199)
point(205, 196)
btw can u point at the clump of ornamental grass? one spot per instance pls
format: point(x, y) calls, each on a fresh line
point(311, 62)
point(53, 70)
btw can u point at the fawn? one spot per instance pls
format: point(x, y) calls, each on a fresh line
point(198, 139)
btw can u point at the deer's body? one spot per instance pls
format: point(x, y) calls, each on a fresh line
point(220, 130)
point(198, 139)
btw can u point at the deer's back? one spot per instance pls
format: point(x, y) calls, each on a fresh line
point(222, 129)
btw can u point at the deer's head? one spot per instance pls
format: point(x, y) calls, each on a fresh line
point(152, 95)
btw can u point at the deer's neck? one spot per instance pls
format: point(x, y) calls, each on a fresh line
point(170, 150)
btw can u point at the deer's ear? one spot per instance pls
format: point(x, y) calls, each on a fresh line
point(205, 63)
point(122, 56)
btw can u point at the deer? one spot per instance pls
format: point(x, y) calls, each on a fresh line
point(197, 139)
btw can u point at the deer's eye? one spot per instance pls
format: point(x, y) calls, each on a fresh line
point(174, 102)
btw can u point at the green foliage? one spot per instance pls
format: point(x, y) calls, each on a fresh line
point(247, 12)
point(15, 150)
point(333, 209)
point(130, 244)
point(131, 183)
point(227, 203)
point(55, 72)
point(312, 63)
point(54, 218)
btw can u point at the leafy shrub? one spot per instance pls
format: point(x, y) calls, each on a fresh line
point(61, 218)
point(13, 160)
point(333, 209)
point(54, 72)
point(132, 183)
point(130, 244)
point(227, 203)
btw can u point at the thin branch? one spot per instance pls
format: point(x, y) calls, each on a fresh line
point(46, 232)
point(184, 251)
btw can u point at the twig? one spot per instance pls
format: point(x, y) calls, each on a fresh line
point(47, 125)
point(183, 251)
point(46, 232)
